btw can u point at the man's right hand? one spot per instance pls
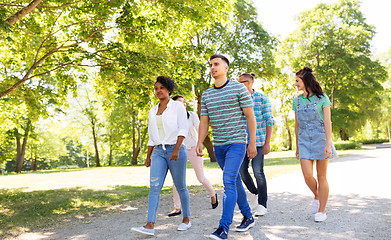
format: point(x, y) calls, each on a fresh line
point(199, 150)
point(251, 151)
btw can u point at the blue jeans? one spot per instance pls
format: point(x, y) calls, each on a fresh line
point(230, 157)
point(160, 164)
point(257, 164)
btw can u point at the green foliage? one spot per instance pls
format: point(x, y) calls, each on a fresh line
point(7, 151)
point(274, 147)
point(75, 155)
point(128, 44)
point(4, 26)
point(344, 145)
point(122, 158)
point(372, 141)
point(249, 45)
point(27, 166)
point(334, 40)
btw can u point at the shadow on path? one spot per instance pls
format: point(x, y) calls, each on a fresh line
point(349, 217)
point(359, 207)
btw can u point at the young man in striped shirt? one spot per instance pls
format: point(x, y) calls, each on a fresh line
point(229, 108)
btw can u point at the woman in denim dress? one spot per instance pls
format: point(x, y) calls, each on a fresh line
point(313, 137)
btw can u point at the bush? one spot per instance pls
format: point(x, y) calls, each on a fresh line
point(347, 145)
point(274, 147)
point(373, 141)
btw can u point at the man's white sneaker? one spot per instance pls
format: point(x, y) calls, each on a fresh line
point(253, 201)
point(145, 231)
point(261, 210)
point(320, 217)
point(184, 226)
point(315, 206)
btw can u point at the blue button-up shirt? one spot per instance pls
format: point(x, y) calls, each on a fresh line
point(263, 115)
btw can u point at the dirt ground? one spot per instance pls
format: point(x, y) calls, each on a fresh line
point(359, 207)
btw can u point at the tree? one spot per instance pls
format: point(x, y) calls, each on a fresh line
point(74, 155)
point(42, 71)
point(21, 142)
point(380, 124)
point(25, 109)
point(335, 41)
point(45, 145)
point(249, 47)
point(128, 43)
point(125, 128)
point(7, 124)
point(149, 45)
point(90, 111)
point(55, 35)
point(62, 34)
point(281, 90)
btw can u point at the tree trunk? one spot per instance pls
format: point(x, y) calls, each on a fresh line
point(135, 150)
point(21, 149)
point(332, 96)
point(19, 165)
point(135, 155)
point(343, 135)
point(143, 137)
point(110, 156)
point(289, 133)
point(95, 146)
point(34, 162)
point(138, 148)
point(111, 150)
point(198, 96)
point(207, 142)
point(209, 146)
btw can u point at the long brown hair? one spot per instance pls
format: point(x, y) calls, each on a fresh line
point(180, 96)
point(310, 82)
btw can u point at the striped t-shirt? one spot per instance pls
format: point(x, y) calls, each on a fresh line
point(223, 105)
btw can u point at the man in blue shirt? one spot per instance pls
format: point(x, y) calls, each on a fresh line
point(264, 117)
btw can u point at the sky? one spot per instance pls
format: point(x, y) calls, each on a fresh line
point(278, 17)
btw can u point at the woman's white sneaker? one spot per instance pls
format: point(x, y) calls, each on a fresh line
point(184, 226)
point(142, 230)
point(320, 217)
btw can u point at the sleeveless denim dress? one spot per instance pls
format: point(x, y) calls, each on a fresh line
point(312, 135)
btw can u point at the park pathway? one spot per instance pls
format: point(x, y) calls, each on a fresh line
point(359, 208)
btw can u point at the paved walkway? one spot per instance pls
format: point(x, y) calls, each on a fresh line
point(359, 208)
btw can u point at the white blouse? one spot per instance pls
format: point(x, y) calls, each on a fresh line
point(174, 124)
point(193, 123)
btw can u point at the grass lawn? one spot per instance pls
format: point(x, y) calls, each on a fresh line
point(22, 210)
